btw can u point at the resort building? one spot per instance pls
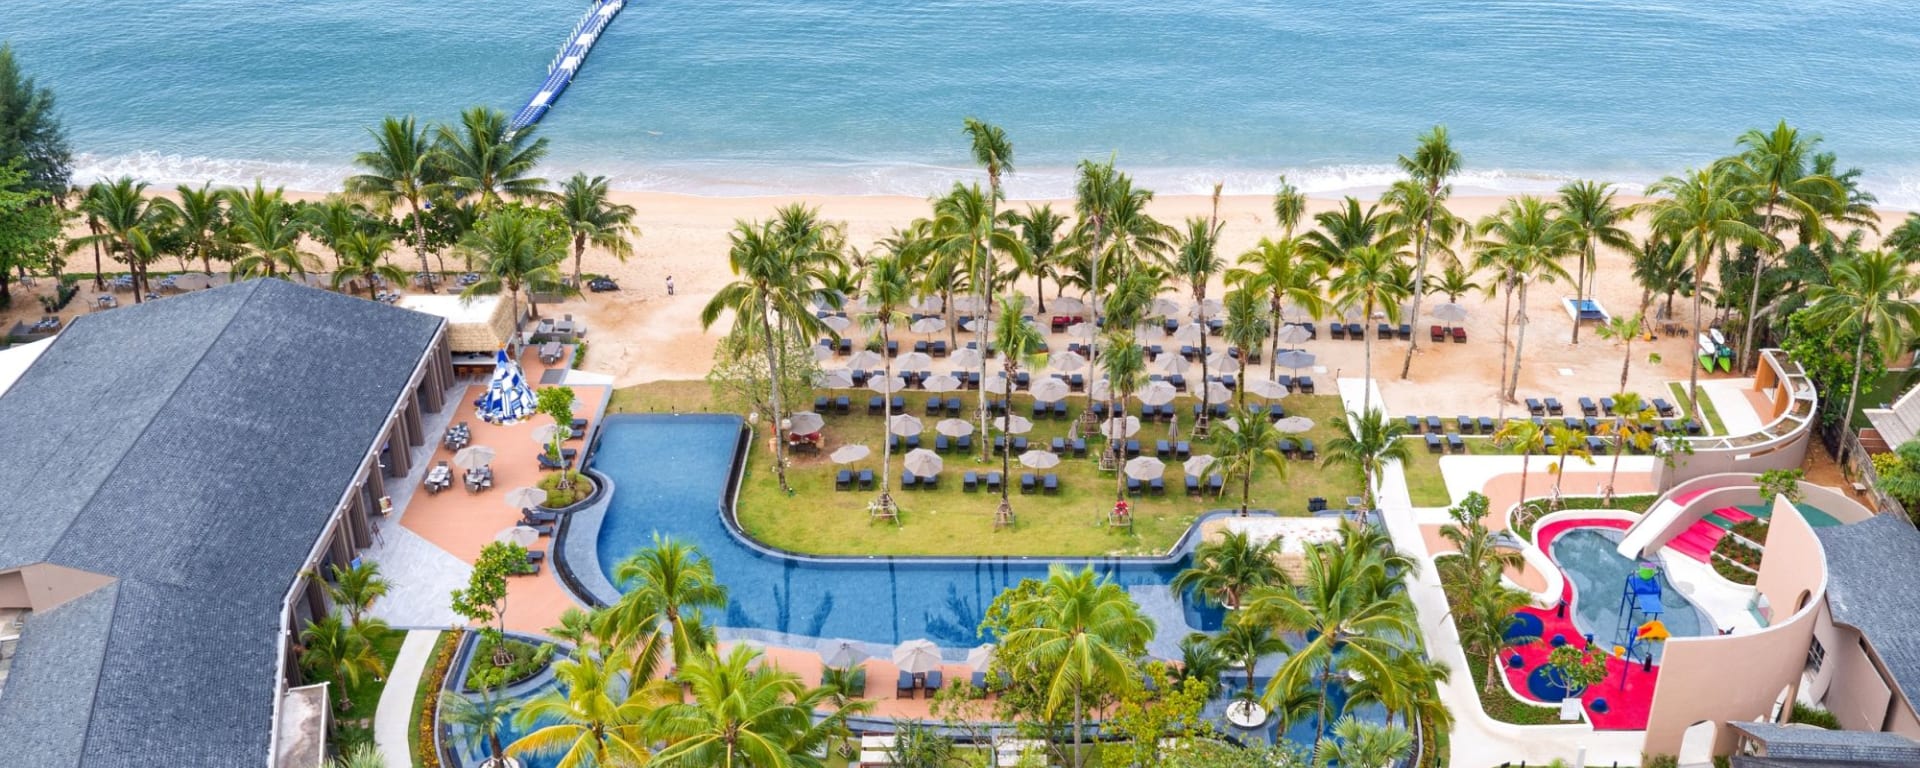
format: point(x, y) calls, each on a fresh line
point(177, 477)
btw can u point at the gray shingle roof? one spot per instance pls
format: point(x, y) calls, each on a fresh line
point(1874, 586)
point(1819, 745)
point(193, 448)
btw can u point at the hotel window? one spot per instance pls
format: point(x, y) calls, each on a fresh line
point(1816, 655)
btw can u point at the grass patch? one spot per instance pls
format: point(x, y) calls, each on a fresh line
point(1881, 392)
point(1499, 703)
point(356, 722)
point(662, 397)
point(1714, 426)
point(819, 520)
point(1814, 716)
point(528, 659)
point(1425, 485)
point(419, 744)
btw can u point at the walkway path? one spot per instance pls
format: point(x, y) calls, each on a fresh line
point(390, 721)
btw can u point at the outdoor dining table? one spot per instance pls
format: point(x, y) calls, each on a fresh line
point(439, 478)
point(551, 352)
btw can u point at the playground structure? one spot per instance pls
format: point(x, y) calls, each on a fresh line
point(1640, 611)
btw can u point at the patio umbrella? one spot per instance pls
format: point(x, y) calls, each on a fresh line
point(913, 361)
point(1156, 393)
point(923, 462)
point(545, 434)
point(905, 425)
point(944, 382)
point(1068, 305)
point(1048, 390)
point(965, 359)
point(926, 305)
point(1012, 425)
point(1294, 360)
point(980, 658)
point(1069, 362)
point(522, 535)
point(1293, 424)
point(1449, 313)
point(821, 352)
point(857, 305)
point(1116, 429)
point(995, 383)
point(473, 457)
point(1082, 331)
point(1168, 365)
point(1292, 334)
point(525, 498)
point(1145, 468)
point(1189, 333)
point(1197, 465)
point(836, 323)
point(805, 423)
point(1218, 392)
point(971, 325)
point(1206, 309)
point(864, 360)
point(968, 304)
point(848, 454)
point(917, 656)
point(954, 427)
point(928, 325)
point(1267, 388)
point(881, 385)
point(842, 654)
point(1039, 459)
point(1164, 308)
point(1221, 363)
point(1102, 389)
point(508, 399)
point(836, 379)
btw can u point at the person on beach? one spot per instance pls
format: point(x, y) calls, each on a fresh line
point(669, 285)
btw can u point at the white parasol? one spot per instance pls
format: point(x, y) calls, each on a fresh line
point(1068, 305)
point(1156, 393)
point(913, 361)
point(1168, 364)
point(1189, 333)
point(525, 536)
point(1069, 362)
point(1293, 424)
point(848, 454)
point(1082, 331)
point(1011, 424)
point(1039, 459)
point(525, 498)
point(865, 359)
point(1164, 308)
point(1116, 429)
point(1145, 468)
point(473, 457)
point(905, 425)
point(1197, 465)
point(944, 382)
point(1267, 388)
point(917, 656)
point(1048, 390)
point(1293, 334)
point(1206, 309)
point(980, 658)
point(923, 462)
point(881, 385)
point(836, 323)
point(1217, 392)
point(805, 423)
point(836, 379)
point(954, 427)
point(965, 359)
point(928, 325)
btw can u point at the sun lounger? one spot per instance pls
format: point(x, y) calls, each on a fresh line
point(843, 480)
point(1433, 443)
point(1193, 485)
point(1182, 450)
point(993, 482)
point(1216, 484)
point(1588, 408)
point(1029, 483)
point(842, 404)
point(1413, 425)
point(1535, 407)
point(963, 443)
point(1050, 484)
point(933, 682)
point(1433, 424)
point(942, 444)
point(1080, 447)
point(979, 681)
point(1339, 331)
point(905, 687)
point(1459, 335)
point(1157, 487)
point(1486, 425)
point(1456, 444)
point(1162, 449)
point(1596, 444)
point(1305, 383)
point(1438, 334)
point(1464, 424)
point(1606, 405)
point(532, 569)
point(908, 481)
point(930, 482)
point(1383, 332)
point(969, 482)
point(866, 479)
point(548, 462)
point(536, 556)
point(1306, 448)
point(1662, 406)
point(1133, 448)
point(1285, 446)
point(1133, 487)
point(1553, 407)
point(1356, 332)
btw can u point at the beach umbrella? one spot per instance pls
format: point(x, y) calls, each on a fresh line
point(1039, 459)
point(980, 658)
point(1204, 310)
point(805, 423)
point(968, 304)
point(1082, 331)
point(1068, 305)
point(928, 325)
point(995, 383)
point(1069, 362)
point(905, 425)
point(545, 434)
point(1222, 363)
point(1048, 390)
point(1145, 468)
point(836, 379)
point(1164, 308)
point(1156, 393)
point(965, 359)
point(954, 427)
point(473, 457)
point(821, 352)
point(1197, 465)
point(1102, 389)
point(864, 360)
point(971, 325)
point(842, 654)
point(914, 361)
point(508, 399)
point(1189, 333)
point(525, 498)
point(1229, 424)
point(882, 385)
point(1292, 334)
point(944, 382)
point(1168, 364)
point(1267, 388)
point(927, 305)
point(1293, 424)
point(525, 536)
point(1217, 392)
point(1116, 429)
point(917, 656)
point(848, 454)
point(923, 462)
point(1012, 425)
point(857, 305)
point(836, 323)
point(1294, 360)
point(1449, 313)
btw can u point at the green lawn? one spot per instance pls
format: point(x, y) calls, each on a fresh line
point(1714, 426)
point(1425, 485)
point(356, 724)
point(1882, 392)
point(819, 520)
point(424, 693)
point(661, 396)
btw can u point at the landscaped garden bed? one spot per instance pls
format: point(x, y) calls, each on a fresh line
point(579, 488)
point(523, 660)
point(1499, 703)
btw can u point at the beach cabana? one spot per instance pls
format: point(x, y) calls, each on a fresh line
point(508, 399)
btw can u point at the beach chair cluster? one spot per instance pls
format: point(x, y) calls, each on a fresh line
point(1594, 413)
point(1381, 332)
point(1030, 482)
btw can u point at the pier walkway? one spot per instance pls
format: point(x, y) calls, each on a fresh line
point(567, 63)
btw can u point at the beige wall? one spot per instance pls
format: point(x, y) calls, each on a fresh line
point(45, 586)
point(1738, 677)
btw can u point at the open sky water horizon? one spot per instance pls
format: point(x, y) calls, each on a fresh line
point(737, 97)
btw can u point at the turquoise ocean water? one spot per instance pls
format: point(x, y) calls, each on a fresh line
point(729, 97)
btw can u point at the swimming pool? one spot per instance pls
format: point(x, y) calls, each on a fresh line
point(1598, 573)
point(670, 473)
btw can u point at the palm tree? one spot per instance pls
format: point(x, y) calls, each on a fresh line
point(1040, 245)
point(1523, 437)
point(484, 160)
point(361, 756)
point(1408, 690)
point(593, 218)
point(1432, 163)
point(993, 152)
point(1454, 281)
point(1360, 744)
point(1020, 344)
point(83, 194)
point(889, 288)
point(1772, 169)
point(745, 713)
point(1372, 279)
point(1197, 263)
point(1368, 441)
point(363, 256)
point(519, 250)
point(596, 717)
point(665, 583)
point(199, 218)
point(1488, 615)
point(1592, 220)
point(1524, 243)
point(1245, 642)
point(1124, 365)
point(341, 653)
point(1623, 329)
point(265, 223)
point(966, 228)
point(1289, 206)
point(400, 168)
point(480, 721)
point(1633, 425)
point(1245, 328)
point(1700, 212)
point(354, 589)
point(1287, 274)
point(1224, 570)
point(1480, 549)
point(1867, 300)
point(332, 220)
point(1243, 447)
point(1081, 631)
point(1568, 443)
point(1348, 227)
point(122, 208)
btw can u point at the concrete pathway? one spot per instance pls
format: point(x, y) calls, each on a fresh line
point(1729, 398)
point(390, 720)
point(421, 576)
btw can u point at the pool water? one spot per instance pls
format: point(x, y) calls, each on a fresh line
point(1598, 574)
point(1301, 730)
point(669, 475)
point(475, 754)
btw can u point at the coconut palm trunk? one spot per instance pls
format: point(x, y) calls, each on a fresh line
point(1419, 281)
point(886, 424)
point(1366, 393)
point(1273, 344)
point(1747, 358)
point(1699, 321)
point(1006, 452)
point(1519, 342)
point(1580, 285)
point(773, 396)
point(1506, 327)
point(980, 339)
point(420, 234)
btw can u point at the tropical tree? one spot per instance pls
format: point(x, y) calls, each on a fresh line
point(1246, 641)
point(31, 136)
point(1372, 280)
point(1077, 630)
point(667, 584)
point(480, 721)
point(1486, 617)
point(266, 224)
point(124, 211)
point(1772, 171)
point(332, 220)
point(593, 218)
point(1225, 569)
point(1480, 549)
point(1196, 262)
point(744, 713)
point(888, 290)
point(1020, 344)
point(1592, 220)
point(1623, 329)
point(1124, 365)
point(1454, 281)
point(1289, 206)
point(1633, 425)
point(363, 256)
point(1524, 243)
point(1040, 247)
point(355, 588)
point(1348, 227)
point(1245, 327)
point(1360, 744)
point(1368, 441)
point(1568, 443)
point(1286, 274)
point(1700, 211)
point(199, 220)
point(399, 168)
point(1868, 300)
point(519, 249)
point(1243, 447)
point(360, 756)
point(1525, 438)
point(1432, 163)
point(597, 716)
point(483, 160)
point(967, 232)
point(342, 653)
